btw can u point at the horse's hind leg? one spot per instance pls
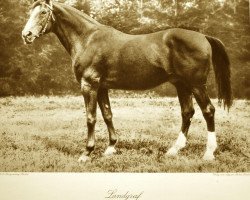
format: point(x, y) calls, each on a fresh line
point(187, 112)
point(104, 104)
point(208, 111)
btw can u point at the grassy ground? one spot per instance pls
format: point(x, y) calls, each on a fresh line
point(47, 134)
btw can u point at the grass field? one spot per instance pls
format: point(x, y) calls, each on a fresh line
point(48, 134)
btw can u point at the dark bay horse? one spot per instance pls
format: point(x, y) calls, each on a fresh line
point(104, 58)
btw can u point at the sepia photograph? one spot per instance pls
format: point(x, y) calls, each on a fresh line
point(124, 93)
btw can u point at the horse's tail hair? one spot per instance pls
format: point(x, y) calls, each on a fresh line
point(221, 65)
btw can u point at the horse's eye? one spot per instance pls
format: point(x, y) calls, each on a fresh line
point(43, 12)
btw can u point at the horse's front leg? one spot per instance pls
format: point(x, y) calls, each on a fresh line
point(104, 104)
point(89, 91)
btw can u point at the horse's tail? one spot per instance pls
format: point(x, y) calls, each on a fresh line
point(221, 66)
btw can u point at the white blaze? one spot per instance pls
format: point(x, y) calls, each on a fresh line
point(31, 22)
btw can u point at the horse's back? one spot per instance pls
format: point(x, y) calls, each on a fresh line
point(145, 61)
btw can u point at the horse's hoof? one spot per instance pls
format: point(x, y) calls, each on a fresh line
point(208, 157)
point(83, 159)
point(172, 152)
point(109, 151)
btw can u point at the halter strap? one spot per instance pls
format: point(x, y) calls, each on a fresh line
point(51, 16)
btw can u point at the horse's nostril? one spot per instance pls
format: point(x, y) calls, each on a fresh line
point(29, 33)
point(26, 34)
point(27, 37)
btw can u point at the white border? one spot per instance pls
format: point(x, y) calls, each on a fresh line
point(95, 186)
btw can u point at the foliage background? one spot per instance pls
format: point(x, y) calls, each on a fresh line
point(44, 68)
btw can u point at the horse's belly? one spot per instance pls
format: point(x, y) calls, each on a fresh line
point(135, 80)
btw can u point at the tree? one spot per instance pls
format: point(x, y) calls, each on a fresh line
point(24, 69)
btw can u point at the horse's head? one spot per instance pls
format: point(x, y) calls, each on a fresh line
point(40, 20)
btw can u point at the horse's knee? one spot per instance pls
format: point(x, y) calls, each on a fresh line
point(188, 114)
point(208, 114)
point(91, 120)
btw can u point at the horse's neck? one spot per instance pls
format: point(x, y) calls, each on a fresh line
point(72, 27)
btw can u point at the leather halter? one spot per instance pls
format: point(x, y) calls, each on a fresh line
point(51, 16)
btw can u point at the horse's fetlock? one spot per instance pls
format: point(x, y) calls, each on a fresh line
point(90, 148)
point(112, 141)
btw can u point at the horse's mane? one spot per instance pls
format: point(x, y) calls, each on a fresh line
point(79, 13)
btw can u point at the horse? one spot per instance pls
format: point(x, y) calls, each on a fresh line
point(104, 58)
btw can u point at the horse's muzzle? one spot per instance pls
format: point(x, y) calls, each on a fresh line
point(28, 37)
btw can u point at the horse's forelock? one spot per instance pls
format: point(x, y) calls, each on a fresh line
point(36, 3)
